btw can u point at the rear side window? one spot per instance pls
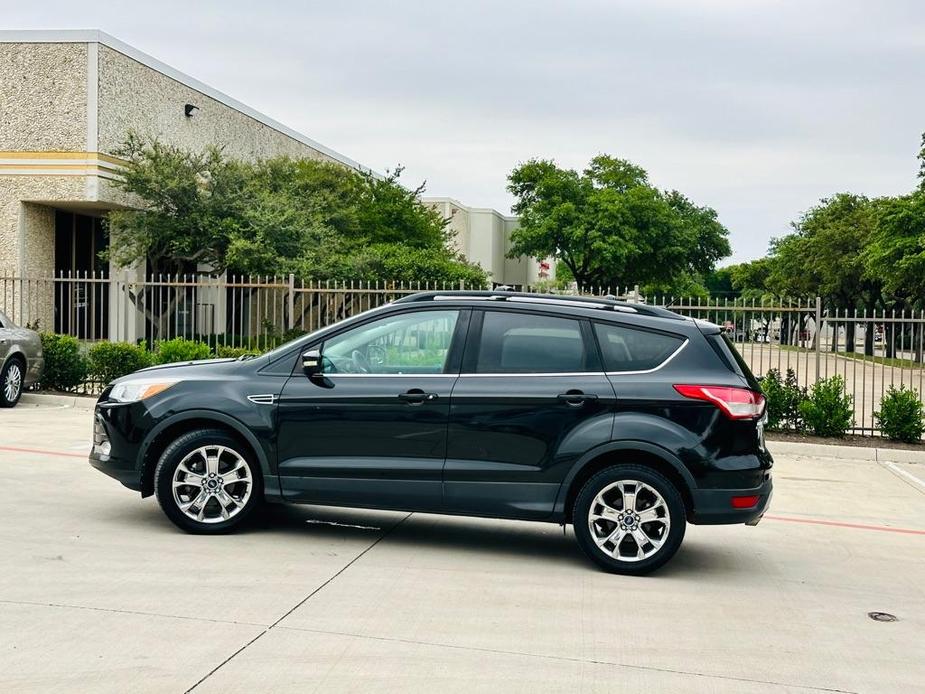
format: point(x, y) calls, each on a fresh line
point(524, 343)
point(628, 349)
point(741, 366)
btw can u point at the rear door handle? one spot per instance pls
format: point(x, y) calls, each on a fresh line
point(416, 396)
point(575, 398)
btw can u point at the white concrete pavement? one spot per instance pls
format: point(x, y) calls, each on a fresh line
point(99, 592)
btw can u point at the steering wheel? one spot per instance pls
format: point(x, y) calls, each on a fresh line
point(360, 361)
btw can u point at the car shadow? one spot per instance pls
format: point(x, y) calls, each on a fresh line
point(499, 539)
point(510, 540)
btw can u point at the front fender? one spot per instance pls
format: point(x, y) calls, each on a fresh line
point(216, 416)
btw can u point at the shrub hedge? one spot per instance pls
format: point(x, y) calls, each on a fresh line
point(829, 410)
point(111, 360)
point(900, 415)
point(65, 366)
point(784, 397)
point(181, 349)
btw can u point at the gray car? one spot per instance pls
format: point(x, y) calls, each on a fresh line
point(21, 360)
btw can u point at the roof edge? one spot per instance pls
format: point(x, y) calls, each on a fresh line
point(102, 38)
point(457, 203)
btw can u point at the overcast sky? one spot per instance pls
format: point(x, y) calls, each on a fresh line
point(756, 108)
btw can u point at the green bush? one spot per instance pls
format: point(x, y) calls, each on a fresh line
point(65, 366)
point(901, 414)
point(784, 397)
point(110, 360)
point(180, 349)
point(228, 352)
point(829, 410)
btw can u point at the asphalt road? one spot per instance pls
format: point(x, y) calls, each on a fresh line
point(99, 592)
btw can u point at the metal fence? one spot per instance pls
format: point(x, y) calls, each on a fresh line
point(871, 350)
point(225, 310)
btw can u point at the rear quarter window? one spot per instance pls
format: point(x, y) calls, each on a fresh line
point(729, 355)
point(631, 349)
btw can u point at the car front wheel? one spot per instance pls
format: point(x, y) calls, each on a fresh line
point(11, 379)
point(207, 482)
point(629, 519)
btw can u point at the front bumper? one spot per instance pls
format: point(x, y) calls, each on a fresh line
point(112, 453)
point(714, 506)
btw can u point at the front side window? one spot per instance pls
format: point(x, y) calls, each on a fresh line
point(628, 349)
point(413, 343)
point(524, 343)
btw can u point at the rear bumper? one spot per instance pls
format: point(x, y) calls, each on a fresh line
point(34, 372)
point(714, 506)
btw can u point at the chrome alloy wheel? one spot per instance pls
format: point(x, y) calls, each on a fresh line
point(13, 382)
point(629, 520)
point(212, 484)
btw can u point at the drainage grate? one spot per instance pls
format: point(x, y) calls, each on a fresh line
point(883, 617)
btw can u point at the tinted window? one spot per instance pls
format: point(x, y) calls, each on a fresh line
point(411, 343)
point(628, 349)
point(523, 343)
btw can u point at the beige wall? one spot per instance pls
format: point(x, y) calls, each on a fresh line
point(25, 203)
point(483, 235)
point(43, 97)
point(133, 96)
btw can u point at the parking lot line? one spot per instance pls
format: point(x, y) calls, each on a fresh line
point(856, 526)
point(907, 476)
point(40, 451)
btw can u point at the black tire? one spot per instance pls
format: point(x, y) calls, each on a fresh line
point(186, 447)
point(617, 558)
point(13, 366)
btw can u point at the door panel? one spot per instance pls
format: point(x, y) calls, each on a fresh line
point(371, 431)
point(513, 436)
point(357, 443)
point(512, 439)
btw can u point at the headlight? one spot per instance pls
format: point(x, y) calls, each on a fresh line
point(131, 391)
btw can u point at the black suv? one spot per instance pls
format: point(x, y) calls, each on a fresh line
point(627, 421)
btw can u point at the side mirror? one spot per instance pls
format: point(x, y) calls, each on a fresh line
point(311, 362)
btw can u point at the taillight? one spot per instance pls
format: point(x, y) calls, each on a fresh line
point(736, 403)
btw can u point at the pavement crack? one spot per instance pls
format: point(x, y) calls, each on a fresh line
point(298, 604)
point(594, 661)
point(132, 612)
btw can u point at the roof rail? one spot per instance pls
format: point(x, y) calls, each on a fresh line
point(601, 303)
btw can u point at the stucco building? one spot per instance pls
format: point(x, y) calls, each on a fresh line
point(483, 235)
point(69, 100)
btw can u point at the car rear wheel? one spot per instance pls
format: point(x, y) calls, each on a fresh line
point(629, 519)
point(207, 482)
point(11, 379)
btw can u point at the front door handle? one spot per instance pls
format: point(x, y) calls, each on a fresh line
point(416, 396)
point(575, 398)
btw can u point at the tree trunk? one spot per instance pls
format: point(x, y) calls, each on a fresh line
point(889, 339)
point(785, 329)
point(869, 339)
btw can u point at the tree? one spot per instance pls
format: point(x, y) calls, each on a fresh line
point(609, 226)
point(823, 255)
point(192, 202)
point(718, 283)
point(318, 220)
point(750, 279)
